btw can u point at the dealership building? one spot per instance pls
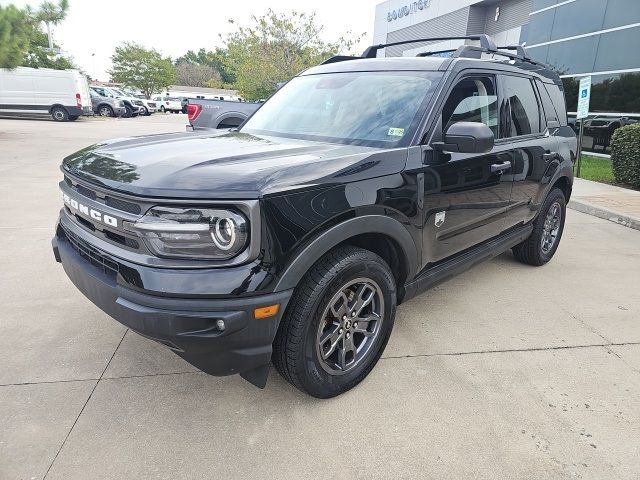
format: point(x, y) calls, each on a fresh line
point(600, 38)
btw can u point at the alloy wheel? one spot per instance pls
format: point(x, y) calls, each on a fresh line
point(350, 325)
point(551, 227)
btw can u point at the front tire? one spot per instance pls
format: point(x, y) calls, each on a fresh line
point(128, 111)
point(337, 324)
point(162, 108)
point(543, 242)
point(106, 111)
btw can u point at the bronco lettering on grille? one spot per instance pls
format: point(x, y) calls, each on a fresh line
point(88, 211)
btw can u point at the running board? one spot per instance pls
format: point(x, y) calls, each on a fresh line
point(463, 261)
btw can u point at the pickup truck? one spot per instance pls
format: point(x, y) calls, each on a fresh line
point(213, 114)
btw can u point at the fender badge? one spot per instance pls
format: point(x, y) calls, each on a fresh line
point(440, 218)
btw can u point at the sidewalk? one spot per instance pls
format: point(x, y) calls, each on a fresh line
point(619, 205)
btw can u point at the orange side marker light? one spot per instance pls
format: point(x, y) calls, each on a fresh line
point(266, 312)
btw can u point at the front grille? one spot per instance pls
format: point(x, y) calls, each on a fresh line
point(86, 192)
point(116, 203)
point(89, 253)
point(122, 205)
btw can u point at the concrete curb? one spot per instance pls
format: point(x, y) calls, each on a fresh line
point(605, 213)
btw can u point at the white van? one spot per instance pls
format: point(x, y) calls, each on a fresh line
point(63, 94)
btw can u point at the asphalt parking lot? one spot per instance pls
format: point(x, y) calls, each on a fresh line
point(506, 371)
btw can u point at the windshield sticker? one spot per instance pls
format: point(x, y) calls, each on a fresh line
point(395, 132)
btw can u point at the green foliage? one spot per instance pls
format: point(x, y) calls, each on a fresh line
point(39, 55)
point(22, 43)
point(214, 59)
point(625, 155)
point(196, 74)
point(275, 48)
point(596, 169)
point(15, 35)
point(144, 69)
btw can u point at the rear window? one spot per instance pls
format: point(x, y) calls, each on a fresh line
point(557, 97)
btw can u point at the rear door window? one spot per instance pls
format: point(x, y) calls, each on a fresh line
point(524, 118)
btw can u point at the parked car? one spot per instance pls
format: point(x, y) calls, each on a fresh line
point(63, 94)
point(214, 114)
point(133, 106)
point(168, 104)
point(107, 106)
point(147, 107)
point(361, 183)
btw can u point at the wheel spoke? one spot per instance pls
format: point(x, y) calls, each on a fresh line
point(333, 337)
point(340, 306)
point(363, 297)
point(347, 346)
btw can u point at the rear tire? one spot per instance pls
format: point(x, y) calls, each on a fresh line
point(59, 114)
point(73, 118)
point(128, 111)
point(337, 324)
point(162, 108)
point(543, 242)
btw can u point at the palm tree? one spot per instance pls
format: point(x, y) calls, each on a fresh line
point(51, 14)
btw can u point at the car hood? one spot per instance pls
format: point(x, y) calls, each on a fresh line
point(226, 164)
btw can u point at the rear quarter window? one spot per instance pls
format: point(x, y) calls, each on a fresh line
point(557, 97)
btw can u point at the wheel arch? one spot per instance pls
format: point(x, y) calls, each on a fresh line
point(565, 185)
point(58, 105)
point(382, 235)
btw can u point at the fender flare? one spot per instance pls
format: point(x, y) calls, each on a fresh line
point(305, 258)
point(227, 115)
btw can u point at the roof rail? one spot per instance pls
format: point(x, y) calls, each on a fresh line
point(520, 51)
point(486, 42)
point(338, 58)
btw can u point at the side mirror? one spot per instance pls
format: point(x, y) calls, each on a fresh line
point(466, 137)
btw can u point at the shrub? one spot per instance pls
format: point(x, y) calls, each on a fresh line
point(625, 155)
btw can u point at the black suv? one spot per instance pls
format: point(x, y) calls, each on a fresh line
point(292, 239)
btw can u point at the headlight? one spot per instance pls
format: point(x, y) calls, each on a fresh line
point(202, 233)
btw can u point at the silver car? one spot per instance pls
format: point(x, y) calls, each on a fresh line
point(107, 106)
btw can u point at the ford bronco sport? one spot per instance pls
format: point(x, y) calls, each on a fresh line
point(359, 184)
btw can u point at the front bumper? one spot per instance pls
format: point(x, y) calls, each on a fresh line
point(119, 111)
point(188, 326)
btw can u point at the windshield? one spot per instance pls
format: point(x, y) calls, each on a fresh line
point(378, 109)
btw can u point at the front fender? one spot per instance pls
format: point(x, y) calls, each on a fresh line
point(327, 240)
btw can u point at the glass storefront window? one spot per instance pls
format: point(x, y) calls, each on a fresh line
point(573, 56)
point(540, 26)
point(577, 18)
point(540, 4)
point(621, 12)
point(618, 51)
point(615, 102)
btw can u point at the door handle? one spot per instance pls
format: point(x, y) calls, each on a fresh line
point(500, 167)
point(547, 157)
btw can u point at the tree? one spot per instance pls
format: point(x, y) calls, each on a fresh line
point(214, 59)
point(141, 68)
point(196, 74)
point(275, 48)
point(15, 35)
point(51, 14)
point(39, 55)
point(23, 43)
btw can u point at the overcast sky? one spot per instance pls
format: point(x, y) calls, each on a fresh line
point(96, 27)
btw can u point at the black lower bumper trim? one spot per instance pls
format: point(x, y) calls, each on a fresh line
point(218, 336)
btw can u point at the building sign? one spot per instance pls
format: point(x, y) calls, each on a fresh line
point(584, 95)
point(408, 9)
